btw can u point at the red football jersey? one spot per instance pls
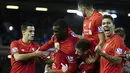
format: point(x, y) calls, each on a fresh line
point(113, 46)
point(50, 43)
point(20, 47)
point(92, 27)
point(64, 53)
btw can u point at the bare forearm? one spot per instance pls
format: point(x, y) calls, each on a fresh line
point(101, 39)
point(24, 57)
point(101, 42)
point(112, 59)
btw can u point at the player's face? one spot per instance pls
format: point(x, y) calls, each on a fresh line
point(59, 33)
point(108, 27)
point(29, 33)
point(78, 53)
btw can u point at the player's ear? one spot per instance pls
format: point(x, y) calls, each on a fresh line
point(23, 32)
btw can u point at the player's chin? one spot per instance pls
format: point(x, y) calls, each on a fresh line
point(31, 39)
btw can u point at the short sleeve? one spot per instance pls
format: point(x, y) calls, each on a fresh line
point(14, 48)
point(119, 47)
point(98, 23)
point(70, 32)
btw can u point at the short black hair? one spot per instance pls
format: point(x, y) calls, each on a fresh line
point(82, 45)
point(61, 23)
point(120, 31)
point(25, 25)
point(86, 3)
point(109, 17)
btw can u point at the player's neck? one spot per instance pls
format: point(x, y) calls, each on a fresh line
point(25, 40)
point(89, 12)
point(113, 33)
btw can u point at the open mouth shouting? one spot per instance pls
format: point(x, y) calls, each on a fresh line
point(107, 31)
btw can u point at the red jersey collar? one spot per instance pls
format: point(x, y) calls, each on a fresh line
point(24, 42)
point(110, 37)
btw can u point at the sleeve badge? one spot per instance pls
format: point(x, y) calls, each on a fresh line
point(100, 29)
point(14, 50)
point(70, 58)
point(119, 51)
